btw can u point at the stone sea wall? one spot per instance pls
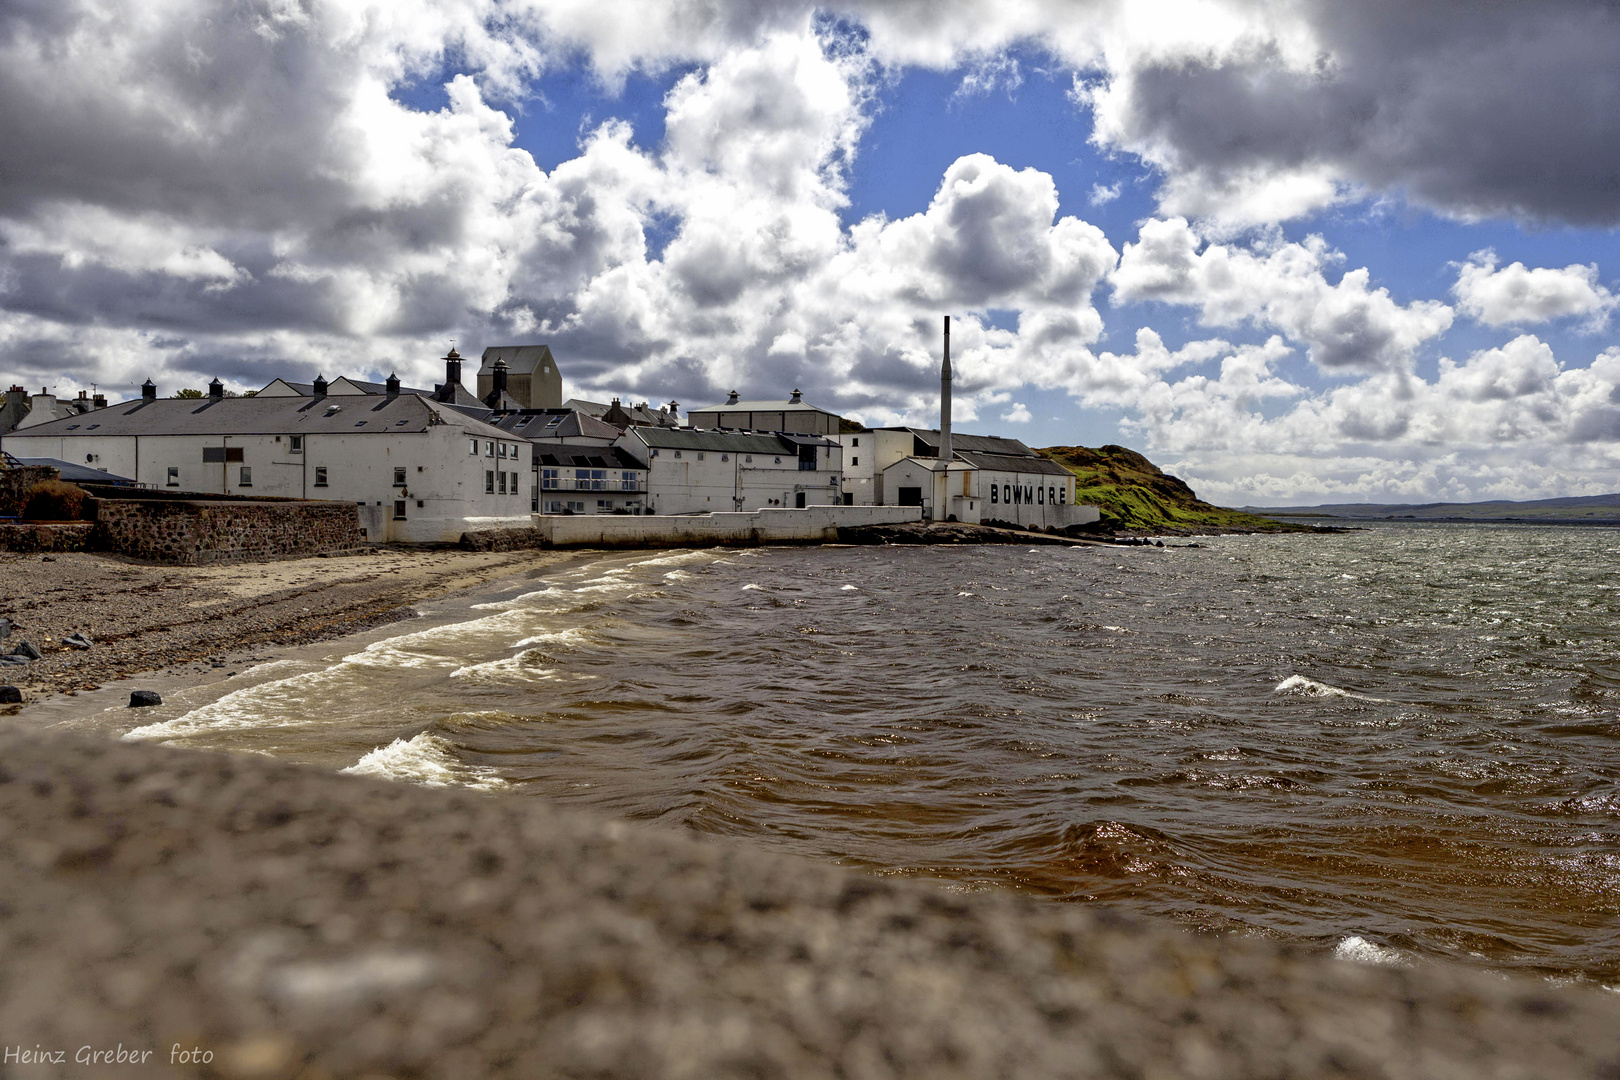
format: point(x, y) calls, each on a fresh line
point(193, 532)
point(810, 525)
point(30, 539)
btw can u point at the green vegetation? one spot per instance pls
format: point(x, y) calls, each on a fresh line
point(1133, 495)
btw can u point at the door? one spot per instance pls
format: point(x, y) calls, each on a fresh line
point(798, 500)
point(910, 496)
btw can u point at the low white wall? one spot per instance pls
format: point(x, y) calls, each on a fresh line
point(810, 525)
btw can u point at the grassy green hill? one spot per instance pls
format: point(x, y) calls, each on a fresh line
point(1134, 495)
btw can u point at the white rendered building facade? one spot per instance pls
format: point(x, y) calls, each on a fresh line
point(704, 472)
point(419, 470)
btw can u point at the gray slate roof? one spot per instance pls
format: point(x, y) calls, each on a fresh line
point(983, 444)
point(1012, 463)
point(735, 442)
point(556, 424)
point(352, 415)
point(520, 359)
point(78, 474)
point(586, 457)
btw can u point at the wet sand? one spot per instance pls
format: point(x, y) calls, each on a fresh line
point(143, 618)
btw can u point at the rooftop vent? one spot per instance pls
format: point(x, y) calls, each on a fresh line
point(216, 390)
point(797, 398)
point(732, 400)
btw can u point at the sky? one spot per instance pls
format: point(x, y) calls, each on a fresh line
point(1294, 252)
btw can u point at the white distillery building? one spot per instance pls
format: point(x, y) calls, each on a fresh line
point(870, 451)
point(576, 468)
point(420, 471)
point(701, 472)
point(989, 488)
point(795, 416)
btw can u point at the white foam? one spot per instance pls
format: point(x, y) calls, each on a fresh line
point(1358, 950)
point(569, 637)
point(512, 669)
point(1300, 686)
point(242, 708)
point(848, 588)
point(751, 587)
point(424, 759)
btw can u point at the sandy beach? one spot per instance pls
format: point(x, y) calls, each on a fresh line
point(143, 618)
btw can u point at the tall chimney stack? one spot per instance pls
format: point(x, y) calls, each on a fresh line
point(945, 399)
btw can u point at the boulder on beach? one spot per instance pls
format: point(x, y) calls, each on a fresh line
point(26, 650)
point(140, 699)
point(78, 640)
point(10, 695)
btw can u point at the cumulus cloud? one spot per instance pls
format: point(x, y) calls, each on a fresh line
point(205, 187)
point(1348, 325)
point(1515, 294)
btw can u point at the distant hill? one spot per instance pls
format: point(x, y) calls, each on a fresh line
point(1574, 510)
point(1135, 495)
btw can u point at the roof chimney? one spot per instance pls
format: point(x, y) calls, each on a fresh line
point(452, 375)
point(391, 384)
point(732, 400)
point(216, 390)
point(497, 384)
point(797, 398)
point(148, 390)
point(319, 386)
point(99, 401)
point(945, 452)
point(674, 410)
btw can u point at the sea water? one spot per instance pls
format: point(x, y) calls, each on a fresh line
point(1396, 742)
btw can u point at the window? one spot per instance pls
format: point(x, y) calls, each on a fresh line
point(489, 449)
point(725, 457)
point(854, 461)
point(995, 493)
point(489, 481)
point(501, 450)
point(472, 447)
point(749, 459)
point(627, 481)
point(856, 441)
point(320, 476)
point(174, 476)
point(513, 482)
point(653, 453)
point(604, 506)
point(296, 444)
point(399, 509)
point(503, 483)
point(577, 507)
point(590, 479)
point(247, 477)
point(399, 476)
point(548, 479)
point(779, 461)
point(700, 455)
point(807, 459)
point(677, 453)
